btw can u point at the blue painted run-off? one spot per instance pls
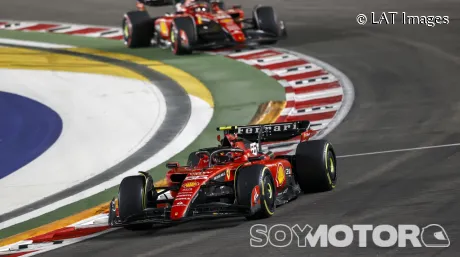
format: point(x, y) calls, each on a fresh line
point(27, 129)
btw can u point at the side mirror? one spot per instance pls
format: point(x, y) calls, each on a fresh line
point(172, 165)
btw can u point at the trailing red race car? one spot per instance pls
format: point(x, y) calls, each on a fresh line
point(201, 25)
point(233, 179)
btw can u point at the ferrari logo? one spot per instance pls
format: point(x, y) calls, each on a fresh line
point(280, 174)
point(190, 184)
point(228, 174)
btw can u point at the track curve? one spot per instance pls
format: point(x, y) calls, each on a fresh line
point(405, 79)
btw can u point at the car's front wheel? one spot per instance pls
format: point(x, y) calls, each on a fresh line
point(255, 188)
point(182, 35)
point(132, 200)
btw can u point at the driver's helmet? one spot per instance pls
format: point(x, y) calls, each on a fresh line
point(201, 8)
point(222, 158)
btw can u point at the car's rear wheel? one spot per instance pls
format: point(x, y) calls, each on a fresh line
point(315, 166)
point(255, 188)
point(183, 35)
point(138, 29)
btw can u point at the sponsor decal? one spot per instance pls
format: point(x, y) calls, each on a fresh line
point(190, 184)
point(180, 204)
point(226, 20)
point(223, 15)
point(200, 173)
point(280, 174)
point(183, 194)
point(196, 177)
point(182, 198)
point(219, 176)
point(268, 128)
point(232, 27)
point(186, 189)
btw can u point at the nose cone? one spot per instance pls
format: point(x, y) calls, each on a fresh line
point(239, 37)
point(178, 211)
point(183, 199)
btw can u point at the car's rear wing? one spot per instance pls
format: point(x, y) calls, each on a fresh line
point(268, 132)
point(167, 2)
point(158, 2)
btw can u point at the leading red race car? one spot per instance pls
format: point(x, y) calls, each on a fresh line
point(201, 25)
point(234, 178)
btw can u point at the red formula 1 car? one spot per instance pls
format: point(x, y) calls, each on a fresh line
point(234, 178)
point(201, 25)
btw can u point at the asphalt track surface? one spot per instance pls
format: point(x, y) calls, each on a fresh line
point(405, 78)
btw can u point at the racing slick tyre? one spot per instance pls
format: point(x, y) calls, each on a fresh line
point(183, 35)
point(138, 29)
point(266, 20)
point(132, 199)
point(255, 188)
point(315, 166)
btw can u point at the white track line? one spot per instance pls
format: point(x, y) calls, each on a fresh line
point(32, 43)
point(400, 150)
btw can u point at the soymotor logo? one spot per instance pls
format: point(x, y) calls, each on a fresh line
point(282, 235)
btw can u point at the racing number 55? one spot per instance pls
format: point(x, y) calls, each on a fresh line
point(254, 148)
